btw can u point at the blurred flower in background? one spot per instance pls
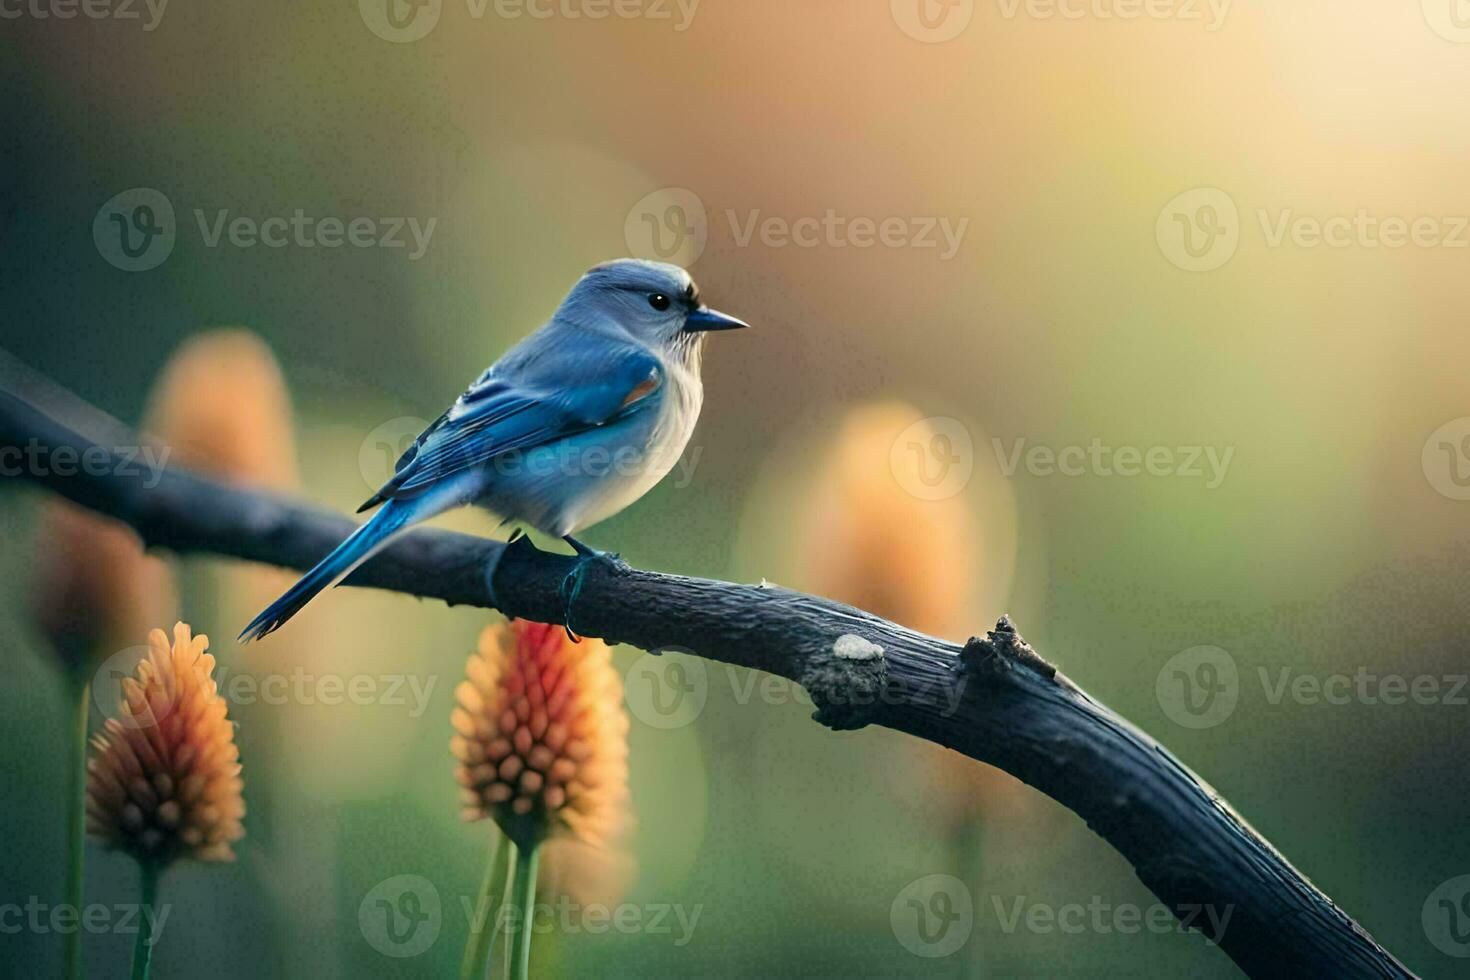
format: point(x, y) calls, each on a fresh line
point(875, 539)
point(221, 406)
point(870, 542)
point(867, 531)
point(95, 588)
point(862, 516)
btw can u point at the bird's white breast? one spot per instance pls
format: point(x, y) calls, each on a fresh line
point(663, 442)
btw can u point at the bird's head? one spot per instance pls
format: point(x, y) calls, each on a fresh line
point(657, 303)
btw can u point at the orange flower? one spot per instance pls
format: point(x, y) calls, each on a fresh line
point(874, 544)
point(164, 780)
point(221, 405)
point(95, 585)
point(541, 737)
point(222, 408)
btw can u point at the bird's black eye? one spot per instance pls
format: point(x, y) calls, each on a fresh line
point(658, 301)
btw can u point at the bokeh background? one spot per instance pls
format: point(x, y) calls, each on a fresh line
point(1071, 309)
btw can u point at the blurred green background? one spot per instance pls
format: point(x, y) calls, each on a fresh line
point(1335, 374)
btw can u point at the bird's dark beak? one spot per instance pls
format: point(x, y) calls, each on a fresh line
point(705, 318)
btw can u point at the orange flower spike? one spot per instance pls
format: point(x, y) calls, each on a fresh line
point(164, 779)
point(541, 738)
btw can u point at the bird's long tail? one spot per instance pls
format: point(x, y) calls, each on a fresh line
point(358, 547)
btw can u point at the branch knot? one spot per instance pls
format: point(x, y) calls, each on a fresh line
point(1002, 650)
point(845, 680)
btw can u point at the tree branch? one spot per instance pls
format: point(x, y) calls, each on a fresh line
point(994, 699)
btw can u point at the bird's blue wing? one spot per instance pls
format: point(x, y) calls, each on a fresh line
point(500, 415)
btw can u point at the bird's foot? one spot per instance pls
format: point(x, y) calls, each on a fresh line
point(571, 585)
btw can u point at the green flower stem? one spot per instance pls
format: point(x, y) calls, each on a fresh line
point(143, 945)
point(970, 845)
point(80, 688)
point(523, 900)
point(481, 941)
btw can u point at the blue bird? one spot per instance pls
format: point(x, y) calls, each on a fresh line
point(573, 424)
